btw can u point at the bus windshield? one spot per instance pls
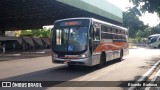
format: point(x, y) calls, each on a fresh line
point(70, 39)
point(153, 39)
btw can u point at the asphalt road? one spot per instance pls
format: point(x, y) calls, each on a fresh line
point(138, 62)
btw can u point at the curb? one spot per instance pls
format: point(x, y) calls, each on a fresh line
point(146, 75)
point(154, 79)
point(26, 54)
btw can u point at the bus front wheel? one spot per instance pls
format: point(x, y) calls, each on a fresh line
point(102, 60)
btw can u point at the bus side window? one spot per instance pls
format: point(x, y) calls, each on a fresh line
point(113, 33)
point(108, 33)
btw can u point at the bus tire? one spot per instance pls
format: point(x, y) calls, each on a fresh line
point(121, 56)
point(71, 66)
point(102, 60)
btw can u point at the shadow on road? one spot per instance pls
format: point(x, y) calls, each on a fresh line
point(150, 62)
point(60, 73)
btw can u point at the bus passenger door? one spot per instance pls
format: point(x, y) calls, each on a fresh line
point(95, 43)
point(96, 38)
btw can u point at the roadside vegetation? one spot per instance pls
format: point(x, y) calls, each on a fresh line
point(45, 32)
point(138, 31)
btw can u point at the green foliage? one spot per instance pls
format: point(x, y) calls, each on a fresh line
point(155, 30)
point(148, 31)
point(148, 5)
point(141, 31)
point(26, 33)
point(36, 33)
point(132, 22)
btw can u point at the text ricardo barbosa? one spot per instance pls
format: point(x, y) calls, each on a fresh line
point(142, 85)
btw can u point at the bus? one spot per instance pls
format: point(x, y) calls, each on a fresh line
point(88, 42)
point(154, 41)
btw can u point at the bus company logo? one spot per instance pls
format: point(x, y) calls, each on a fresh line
point(6, 84)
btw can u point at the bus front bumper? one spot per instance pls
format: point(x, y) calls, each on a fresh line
point(82, 61)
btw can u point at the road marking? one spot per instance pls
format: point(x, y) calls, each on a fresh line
point(10, 55)
point(147, 74)
point(96, 74)
point(33, 52)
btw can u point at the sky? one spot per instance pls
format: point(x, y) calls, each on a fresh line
point(147, 18)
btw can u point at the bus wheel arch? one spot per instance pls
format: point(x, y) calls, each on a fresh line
point(121, 55)
point(102, 60)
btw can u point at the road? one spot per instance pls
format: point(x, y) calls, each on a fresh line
point(138, 62)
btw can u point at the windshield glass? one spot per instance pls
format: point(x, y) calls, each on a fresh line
point(70, 39)
point(152, 40)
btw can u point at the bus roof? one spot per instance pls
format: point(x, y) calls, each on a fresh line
point(96, 20)
point(154, 35)
point(71, 19)
point(109, 24)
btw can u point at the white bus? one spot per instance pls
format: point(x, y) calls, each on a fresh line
point(154, 41)
point(88, 41)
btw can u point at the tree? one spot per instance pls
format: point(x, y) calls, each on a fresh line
point(147, 32)
point(155, 29)
point(132, 22)
point(36, 32)
point(25, 33)
point(148, 5)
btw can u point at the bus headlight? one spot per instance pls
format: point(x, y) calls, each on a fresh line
point(83, 56)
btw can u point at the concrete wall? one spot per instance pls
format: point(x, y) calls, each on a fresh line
point(100, 7)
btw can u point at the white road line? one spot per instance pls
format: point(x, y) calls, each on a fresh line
point(154, 79)
point(92, 76)
point(33, 52)
point(147, 74)
point(10, 55)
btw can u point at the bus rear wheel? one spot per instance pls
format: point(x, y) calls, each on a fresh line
point(102, 60)
point(121, 56)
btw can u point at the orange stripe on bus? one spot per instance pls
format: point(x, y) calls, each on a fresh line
point(111, 46)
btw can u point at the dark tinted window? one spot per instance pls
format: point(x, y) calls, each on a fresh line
point(152, 40)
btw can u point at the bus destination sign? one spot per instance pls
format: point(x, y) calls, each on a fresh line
point(70, 23)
